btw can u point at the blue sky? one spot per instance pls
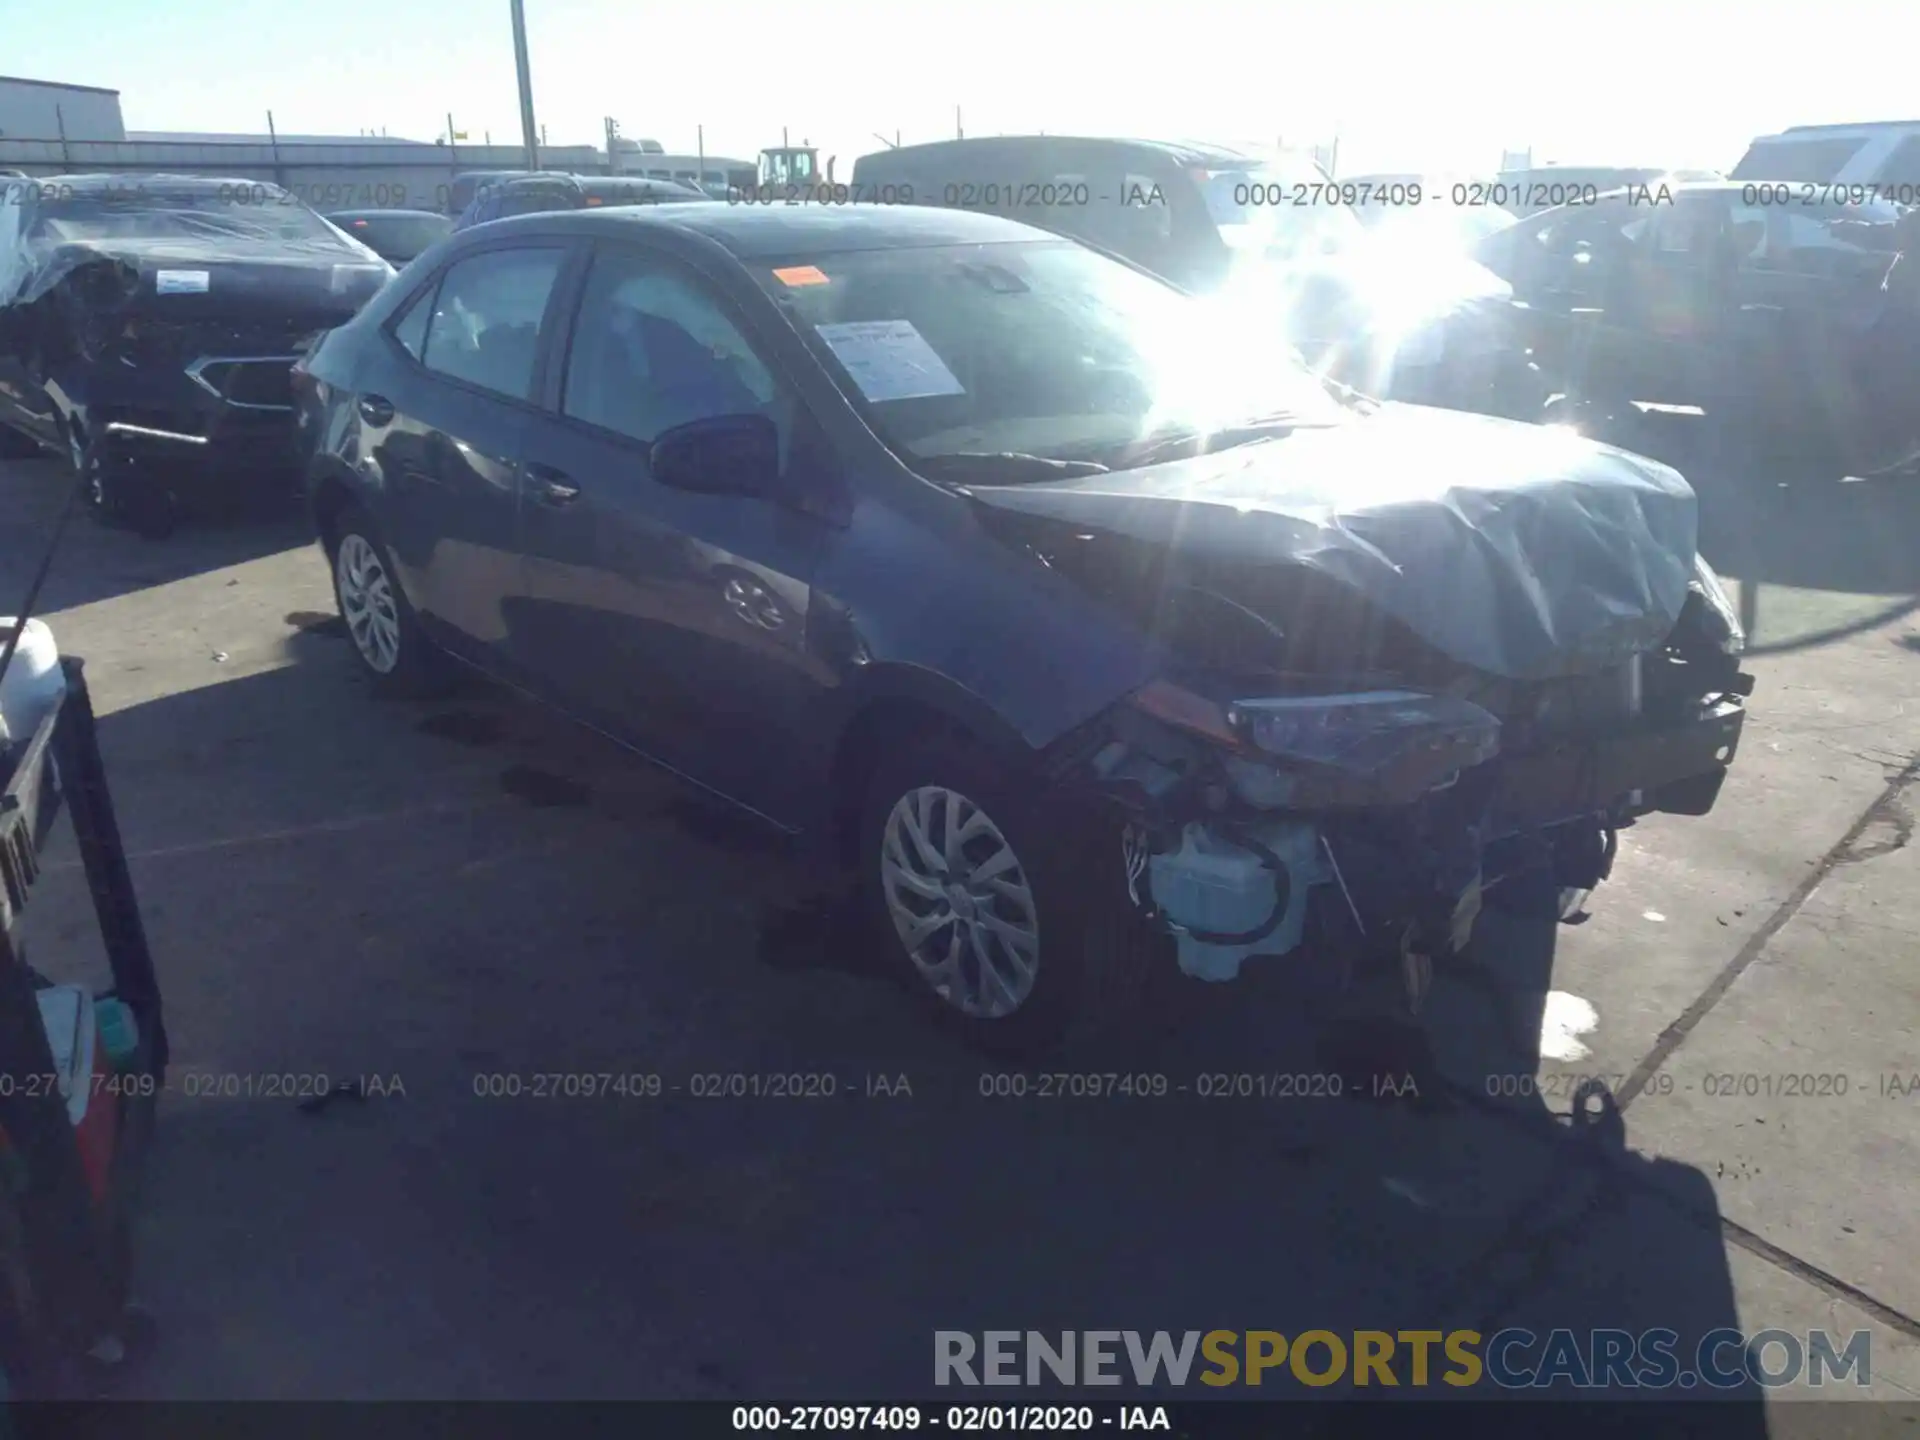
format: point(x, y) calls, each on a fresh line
point(1405, 84)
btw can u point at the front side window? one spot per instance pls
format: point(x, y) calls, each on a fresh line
point(652, 349)
point(485, 327)
point(1037, 347)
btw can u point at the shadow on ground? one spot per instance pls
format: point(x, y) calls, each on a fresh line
point(94, 563)
point(616, 1144)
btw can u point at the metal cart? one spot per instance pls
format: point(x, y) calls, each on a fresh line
point(65, 1235)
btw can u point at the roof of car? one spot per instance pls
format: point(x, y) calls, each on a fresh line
point(385, 215)
point(1180, 152)
point(753, 232)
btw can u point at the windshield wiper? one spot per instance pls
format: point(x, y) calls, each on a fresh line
point(1003, 466)
point(1188, 443)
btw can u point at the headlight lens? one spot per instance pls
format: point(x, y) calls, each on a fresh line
point(1365, 734)
point(1731, 639)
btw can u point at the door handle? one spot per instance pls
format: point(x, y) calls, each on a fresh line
point(1763, 309)
point(376, 409)
point(552, 487)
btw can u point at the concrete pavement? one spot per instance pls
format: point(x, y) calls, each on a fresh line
point(436, 895)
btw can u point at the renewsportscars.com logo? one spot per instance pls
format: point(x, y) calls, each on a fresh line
point(1511, 1359)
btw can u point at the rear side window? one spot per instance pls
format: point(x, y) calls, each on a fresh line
point(533, 200)
point(1902, 171)
point(1820, 160)
point(485, 325)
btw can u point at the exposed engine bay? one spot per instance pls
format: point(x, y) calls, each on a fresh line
point(1310, 769)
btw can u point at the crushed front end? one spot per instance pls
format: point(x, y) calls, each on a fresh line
point(1369, 818)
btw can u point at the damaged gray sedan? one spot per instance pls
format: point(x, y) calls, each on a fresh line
point(1070, 616)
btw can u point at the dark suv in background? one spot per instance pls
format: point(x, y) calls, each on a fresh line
point(1771, 307)
point(1390, 314)
point(532, 194)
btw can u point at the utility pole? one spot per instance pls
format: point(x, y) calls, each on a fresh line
point(529, 134)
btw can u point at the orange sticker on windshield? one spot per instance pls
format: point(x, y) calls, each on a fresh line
point(801, 275)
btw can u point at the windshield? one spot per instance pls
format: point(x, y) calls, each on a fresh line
point(212, 215)
point(1286, 213)
point(398, 237)
point(1037, 348)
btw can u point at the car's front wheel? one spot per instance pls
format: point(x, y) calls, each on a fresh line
point(387, 639)
point(1005, 913)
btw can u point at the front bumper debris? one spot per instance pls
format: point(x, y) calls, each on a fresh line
point(1396, 879)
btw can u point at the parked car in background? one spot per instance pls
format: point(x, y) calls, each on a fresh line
point(1769, 312)
point(1882, 159)
point(148, 324)
point(1545, 187)
point(1067, 616)
point(530, 194)
point(1409, 322)
point(1453, 211)
point(468, 183)
point(396, 236)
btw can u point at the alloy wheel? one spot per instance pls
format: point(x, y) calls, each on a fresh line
point(367, 603)
point(960, 901)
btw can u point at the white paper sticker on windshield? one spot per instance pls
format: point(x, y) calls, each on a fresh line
point(890, 360)
point(181, 282)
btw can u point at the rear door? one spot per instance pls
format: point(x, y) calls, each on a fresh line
point(675, 621)
point(444, 430)
point(1810, 290)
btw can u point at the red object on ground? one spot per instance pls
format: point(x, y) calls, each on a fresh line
point(99, 1127)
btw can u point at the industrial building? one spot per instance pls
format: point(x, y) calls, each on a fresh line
point(48, 128)
point(48, 110)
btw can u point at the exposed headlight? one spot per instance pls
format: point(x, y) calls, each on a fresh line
point(1363, 735)
point(1728, 635)
point(1367, 733)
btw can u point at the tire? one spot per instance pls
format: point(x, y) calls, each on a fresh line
point(120, 496)
point(1090, 953)
point(391, 648)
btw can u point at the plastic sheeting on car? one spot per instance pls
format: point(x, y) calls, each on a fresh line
point(173, 229)
point(1521, 551)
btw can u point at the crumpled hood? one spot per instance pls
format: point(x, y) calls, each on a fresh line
point(1522, 551)
point(335, 275)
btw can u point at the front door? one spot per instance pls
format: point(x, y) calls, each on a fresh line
point(676, 621)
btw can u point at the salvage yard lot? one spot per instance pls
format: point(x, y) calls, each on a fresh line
point(432, 895)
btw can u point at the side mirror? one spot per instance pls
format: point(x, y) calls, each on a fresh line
point(724, 455)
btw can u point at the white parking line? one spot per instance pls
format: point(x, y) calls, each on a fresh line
point(299, 832)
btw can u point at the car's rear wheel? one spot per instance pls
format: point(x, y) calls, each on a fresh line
point(994, 905)
point(118, 494)
point(387, 639)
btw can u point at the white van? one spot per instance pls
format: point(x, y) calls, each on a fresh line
point(1885, 155)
